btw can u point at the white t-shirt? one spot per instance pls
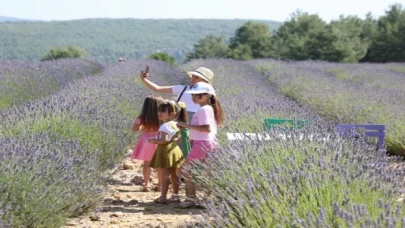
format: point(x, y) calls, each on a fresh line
point(186, 98)
point(204, 116)
point(165, 127)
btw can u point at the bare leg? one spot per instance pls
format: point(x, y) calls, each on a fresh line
point(146, 173)
point(159, 173)
point(174, 180)
point(165, 182)
point(191, 196)
point(178, 174)
point(191, 193)
point(190, 187)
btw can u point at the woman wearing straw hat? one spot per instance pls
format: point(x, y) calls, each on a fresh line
point(201, 74)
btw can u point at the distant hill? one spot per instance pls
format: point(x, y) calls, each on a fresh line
point(105, 40)
point(5, 19)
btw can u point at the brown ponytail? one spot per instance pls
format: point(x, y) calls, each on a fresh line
point(181, 114)
point(218, 111)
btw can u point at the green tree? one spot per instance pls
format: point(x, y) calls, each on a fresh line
point(347, 41)
point(209, 47)
point(64, 52)
point(389, 45)
point(302, 37)
point(369, 28)
point(163, 56)
point(241, 52)
point(254, 38)
point(307, 36)
point(370, 33)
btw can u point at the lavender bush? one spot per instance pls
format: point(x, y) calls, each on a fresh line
point(21, 82)
point(56, 151)
point(42, 183)
point(312, 182)
point(301, 183)
point(346, 93)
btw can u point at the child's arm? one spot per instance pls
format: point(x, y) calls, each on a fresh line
point(203, 128)
point(162, 139)
point(137, 125)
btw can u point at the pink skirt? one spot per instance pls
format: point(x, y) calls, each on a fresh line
point(200, 149)
point(144, 150)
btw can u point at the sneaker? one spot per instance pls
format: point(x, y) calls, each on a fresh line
point(188, 202)
point(174, 198)
point(203, 203)
point(160, 200)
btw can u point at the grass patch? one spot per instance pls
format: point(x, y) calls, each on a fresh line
point(89, 135)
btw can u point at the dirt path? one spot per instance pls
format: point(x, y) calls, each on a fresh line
point(125, 205)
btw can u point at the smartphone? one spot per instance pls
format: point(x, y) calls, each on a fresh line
point(147, 69)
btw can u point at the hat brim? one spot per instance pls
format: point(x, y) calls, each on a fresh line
point(198, 92)
point(191, 73)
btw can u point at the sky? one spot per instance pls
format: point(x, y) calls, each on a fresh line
point(280, 10)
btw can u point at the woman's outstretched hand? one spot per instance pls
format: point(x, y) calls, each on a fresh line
point(144, 75)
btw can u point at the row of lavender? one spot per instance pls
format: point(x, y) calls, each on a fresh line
point(346, 93)
point(323, 181)
point(55, 151)
point(21, 82)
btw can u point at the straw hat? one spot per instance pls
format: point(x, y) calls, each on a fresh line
point(202, 72)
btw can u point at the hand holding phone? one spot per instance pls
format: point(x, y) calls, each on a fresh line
point(144, 74)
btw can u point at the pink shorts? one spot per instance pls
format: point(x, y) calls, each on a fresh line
point(201, 148)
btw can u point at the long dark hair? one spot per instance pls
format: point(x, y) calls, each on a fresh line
point(218, 111)
point(149, 113)
point(171, 106)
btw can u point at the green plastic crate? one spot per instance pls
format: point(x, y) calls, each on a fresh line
point(284, 124)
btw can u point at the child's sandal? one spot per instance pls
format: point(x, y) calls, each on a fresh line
point(160, 200)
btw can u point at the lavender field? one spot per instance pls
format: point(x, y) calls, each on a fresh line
point(347, 93)
point(57, 151)
point(293, 183)
point(21, 82)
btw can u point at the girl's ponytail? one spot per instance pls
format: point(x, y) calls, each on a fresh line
point(218, 111)
point(182, 113)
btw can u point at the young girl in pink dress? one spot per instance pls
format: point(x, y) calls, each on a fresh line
point(203, 131)
point(148, 122)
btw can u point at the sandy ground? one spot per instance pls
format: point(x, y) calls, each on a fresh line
point(126, 205)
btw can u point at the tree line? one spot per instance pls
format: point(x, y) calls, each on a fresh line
point(303, 37)
point(307, 37)
point(106, 40)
